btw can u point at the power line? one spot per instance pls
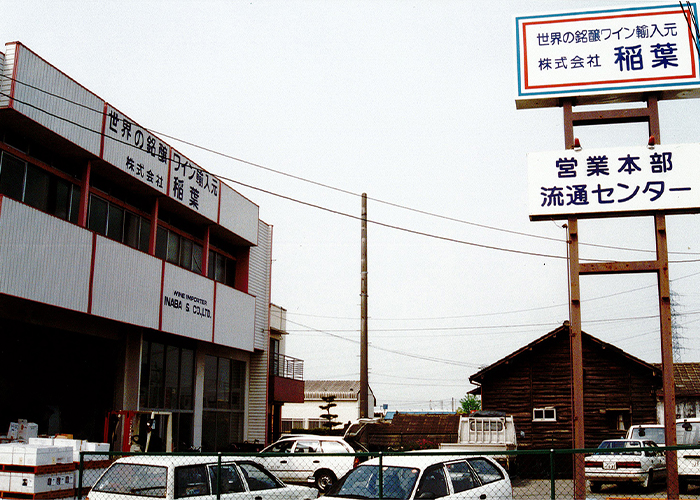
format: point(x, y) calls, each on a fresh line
point(334, 188)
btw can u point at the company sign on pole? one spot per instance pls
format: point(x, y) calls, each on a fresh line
point(604, 53)
point(631, 180)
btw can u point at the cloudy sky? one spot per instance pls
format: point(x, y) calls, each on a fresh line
point(305, 105)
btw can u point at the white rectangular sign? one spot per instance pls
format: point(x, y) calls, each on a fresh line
point(136, 151)
point(603, 52)
point(621, 179)
point(194, 187)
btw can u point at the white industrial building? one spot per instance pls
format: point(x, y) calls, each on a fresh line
point(134, 284)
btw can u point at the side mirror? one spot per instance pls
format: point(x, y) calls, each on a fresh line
point(642, 432)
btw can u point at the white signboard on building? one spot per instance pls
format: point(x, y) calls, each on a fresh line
point(136, 151)
point(187, 304)
point(194, 187)
point(606, 52)
point(628, 179)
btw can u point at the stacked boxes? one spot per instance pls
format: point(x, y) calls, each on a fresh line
point(47, 467)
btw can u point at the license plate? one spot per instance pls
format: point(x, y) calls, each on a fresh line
point(610, 466)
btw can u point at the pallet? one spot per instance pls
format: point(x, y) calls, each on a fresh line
point(47, 495)
point(39, 469)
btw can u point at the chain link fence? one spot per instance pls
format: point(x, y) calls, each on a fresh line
point(526, 474)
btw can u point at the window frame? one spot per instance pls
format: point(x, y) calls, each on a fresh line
point(544, 411)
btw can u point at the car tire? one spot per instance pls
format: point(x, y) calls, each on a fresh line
point(682, 485)
point(595, 486)
point(324, 480)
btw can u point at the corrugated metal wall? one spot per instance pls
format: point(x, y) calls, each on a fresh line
point(126, 284)
point(239, 214)
point(259, 286)
point(43, 258)
point(234, 325)
point(6, 80)
point(68, 108)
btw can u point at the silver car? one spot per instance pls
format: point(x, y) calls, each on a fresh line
point(172, 477)
point(418, 476)
point(630, 461)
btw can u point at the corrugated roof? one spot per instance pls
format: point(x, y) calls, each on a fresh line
point(341, 389)
point(686, 377)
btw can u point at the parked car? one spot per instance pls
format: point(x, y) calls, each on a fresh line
point(171, 477)
point(309, 460)
point(418, 476)
point(630, 461)
point(688, 434)
point(655, 432)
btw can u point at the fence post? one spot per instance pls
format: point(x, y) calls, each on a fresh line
point(80, 476)
point(381, 476)
point(552, 484)
point(218, 478)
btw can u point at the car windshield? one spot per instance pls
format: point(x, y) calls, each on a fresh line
point(134, 479)
point(623, 446)
point(363, 482)
point(687, 433)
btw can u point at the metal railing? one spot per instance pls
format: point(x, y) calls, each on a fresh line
point(287, 367)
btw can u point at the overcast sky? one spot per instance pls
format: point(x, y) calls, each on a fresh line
point(312, 103)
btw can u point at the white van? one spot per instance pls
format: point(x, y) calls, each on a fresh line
point(654, 432)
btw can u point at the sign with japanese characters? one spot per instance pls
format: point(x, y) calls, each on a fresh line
point(598, 181)
point(193, 186)
point(606, 52)
point(135, 150)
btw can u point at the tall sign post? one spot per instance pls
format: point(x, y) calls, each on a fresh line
point(644, 54)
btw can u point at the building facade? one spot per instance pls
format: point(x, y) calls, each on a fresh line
point(307, 414)
point(134, 284)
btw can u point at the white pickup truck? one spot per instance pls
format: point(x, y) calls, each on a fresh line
point(486, 431)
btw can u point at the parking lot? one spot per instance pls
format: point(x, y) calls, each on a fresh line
point(530, 489)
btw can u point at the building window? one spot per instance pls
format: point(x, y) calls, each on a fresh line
point(167, 383)
point(39, 188)
point(178, 250)
point(544, 415)
point(224, 386)
point(221, 268)
point(115, 222)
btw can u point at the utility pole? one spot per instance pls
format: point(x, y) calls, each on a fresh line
point(364, 376)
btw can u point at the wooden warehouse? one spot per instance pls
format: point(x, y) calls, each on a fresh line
point(533, 384)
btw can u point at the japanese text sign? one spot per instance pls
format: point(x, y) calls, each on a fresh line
point(597, 181)
point(135, 150)
point(193, 186)
point(605, 52)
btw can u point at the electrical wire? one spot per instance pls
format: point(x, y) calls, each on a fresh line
point(327, 186)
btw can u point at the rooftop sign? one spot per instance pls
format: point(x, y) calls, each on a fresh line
point(600, 54)
point(633, 180)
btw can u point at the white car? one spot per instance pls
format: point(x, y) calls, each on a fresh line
point(316, 460)
point(627, 462)
point(688, 434)
point(171, 477)
point(420, 476)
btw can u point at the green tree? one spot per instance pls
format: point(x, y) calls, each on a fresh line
point(328, 416)
point(469, 403)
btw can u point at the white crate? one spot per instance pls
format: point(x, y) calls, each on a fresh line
point(33, 455)
point(6, 451)
point(5, 481)
point(21, 482)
